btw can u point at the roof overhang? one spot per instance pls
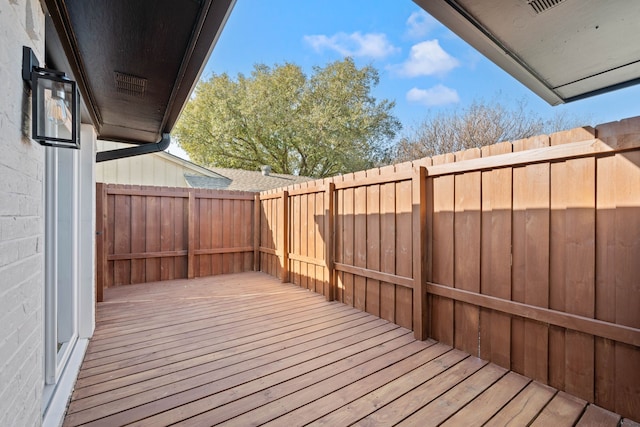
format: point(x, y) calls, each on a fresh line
point(563, 50)
point(136, 62)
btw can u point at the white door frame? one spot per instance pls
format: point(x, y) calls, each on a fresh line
point(61, 259)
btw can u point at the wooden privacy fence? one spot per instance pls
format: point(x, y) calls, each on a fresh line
point(146, 234)
point(524, 253)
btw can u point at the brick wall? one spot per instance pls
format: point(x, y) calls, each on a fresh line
point(21, 222)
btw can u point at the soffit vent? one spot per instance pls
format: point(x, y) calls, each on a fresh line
point(540, 6)
point(130, 85)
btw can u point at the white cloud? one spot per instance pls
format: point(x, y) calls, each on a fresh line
point(370, 45)
point(437, 95)
point(419, 24)
point(427, 58)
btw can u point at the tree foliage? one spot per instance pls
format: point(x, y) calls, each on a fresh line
point(481, 123)
point(316, 126)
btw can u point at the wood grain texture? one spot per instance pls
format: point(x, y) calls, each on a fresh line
point(242, 348)
point(563, 410)
point(419, 249)
point(595, 416)
point(467, 230)
point(156, 234)
point(625, 250)
point(404, 252)
point(339, 238)
point(348, 244)
point(373, 248)
point(573, 272)
point(442, 252)
point(530, 277)
point(524, 407)
point(486, 405)
point(360, 245)
point(387, 249)
point(496, 257)
point(101, 241)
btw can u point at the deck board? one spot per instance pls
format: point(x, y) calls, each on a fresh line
point(245, 349)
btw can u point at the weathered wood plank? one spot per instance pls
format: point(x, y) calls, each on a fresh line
point(228, 234)
point(496, 257)
point(422, 395)
point(404, 253)
point(242, 348)
point(572, 273)
point(122, 239)
point(595, 416)
point(449, 403)
point(487, 404)
point(370, 402)
point(531, 204)
point(360, 244)
point(137, 238)
point(348, 244)
point(442, 254)
point(467, 229)
point(167, 265)
point(563, 410)
point(388, 249)
point(373, 248)
point(339, 240)
point(206, 235)
point(523, 408)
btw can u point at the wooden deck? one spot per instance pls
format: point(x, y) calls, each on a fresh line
point(244, 349)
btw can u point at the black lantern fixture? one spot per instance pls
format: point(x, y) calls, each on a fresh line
point(55, 104)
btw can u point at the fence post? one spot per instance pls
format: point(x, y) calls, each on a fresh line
point(329, 272)
point(285, 236)
point(257, 209)
point(191, 234)
point(419, 213)
point(101, 240)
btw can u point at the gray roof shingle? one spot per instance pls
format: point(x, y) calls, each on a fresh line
point(243, 180)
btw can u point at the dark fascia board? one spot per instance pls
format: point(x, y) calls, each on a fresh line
point(205, 35)
point(65, 40)
point(208, 33)
point(458, 21)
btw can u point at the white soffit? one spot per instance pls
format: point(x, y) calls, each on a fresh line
point(561, 49)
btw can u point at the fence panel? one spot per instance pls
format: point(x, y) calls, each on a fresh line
point(147, 234)
point(307, 238)
point(271, 231)
point(532, 252)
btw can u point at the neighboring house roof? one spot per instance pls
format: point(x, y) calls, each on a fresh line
point(165, 169)
point(243, 180)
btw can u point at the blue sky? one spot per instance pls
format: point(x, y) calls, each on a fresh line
point(423, 66)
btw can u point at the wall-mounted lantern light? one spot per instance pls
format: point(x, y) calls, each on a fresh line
point(55, 104)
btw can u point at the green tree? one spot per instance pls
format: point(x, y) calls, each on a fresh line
point(316, 126)
point(481, 123)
